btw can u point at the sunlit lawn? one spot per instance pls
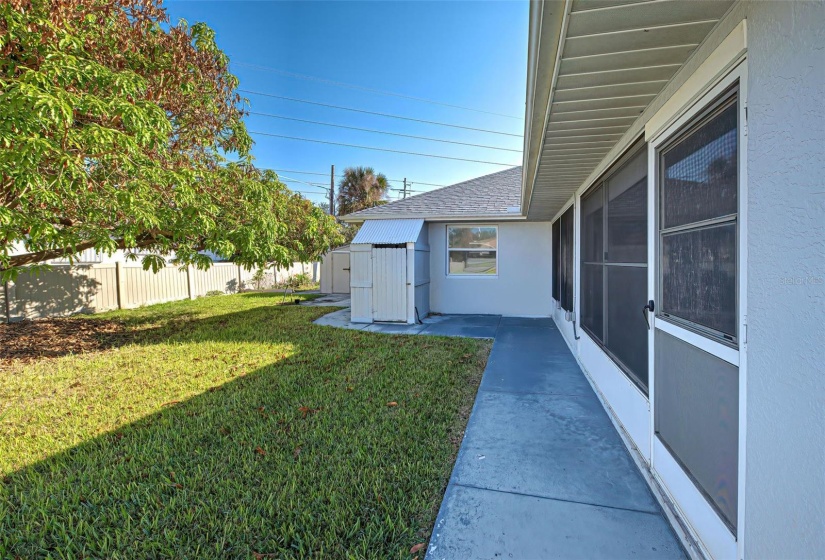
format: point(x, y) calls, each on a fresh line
point(232, 427)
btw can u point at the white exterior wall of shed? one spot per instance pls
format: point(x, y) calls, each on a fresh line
point(326, 274)
point(522, 286)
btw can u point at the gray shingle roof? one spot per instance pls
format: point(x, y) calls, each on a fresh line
point(489, 195)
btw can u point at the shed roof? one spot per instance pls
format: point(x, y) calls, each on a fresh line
point(389, 231)
point(495, 195)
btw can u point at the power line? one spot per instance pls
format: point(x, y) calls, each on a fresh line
point(385, 132)
point(322, 186)
point(307, 192)
point(380, 149)
point(426, 184)
point(371, 90)
point(313, 185)
point(377, 113)
point(324, 174)
point(298, 172)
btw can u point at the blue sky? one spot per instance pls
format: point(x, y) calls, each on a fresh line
point(471, 54)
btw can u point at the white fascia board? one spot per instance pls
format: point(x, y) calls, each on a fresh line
point(547, 25)
point(438, 218)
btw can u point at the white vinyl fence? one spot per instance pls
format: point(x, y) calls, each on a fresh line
point(92, 288)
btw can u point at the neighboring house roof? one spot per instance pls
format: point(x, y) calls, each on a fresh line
point(496, 195)
point(389, 231)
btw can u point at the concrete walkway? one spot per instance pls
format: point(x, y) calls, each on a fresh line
point(470, 326)
point(542, 472)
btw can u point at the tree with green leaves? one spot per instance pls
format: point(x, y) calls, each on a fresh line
point(115, 129)
point(360, 188)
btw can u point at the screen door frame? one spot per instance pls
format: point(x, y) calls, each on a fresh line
point(712, 533)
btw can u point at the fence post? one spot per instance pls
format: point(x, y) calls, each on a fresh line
point(120, 282)
point(189, 282)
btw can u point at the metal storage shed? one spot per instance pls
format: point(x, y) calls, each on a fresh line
point(390, 271)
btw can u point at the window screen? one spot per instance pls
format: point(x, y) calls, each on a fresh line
point(697, 418)
point(592, 216)
point(592, 299)
point(627, 213)
point(614, 265)
point(472, 250)
point(698, 218)
point(556, 260)
point(566, 259)
point(700, 172)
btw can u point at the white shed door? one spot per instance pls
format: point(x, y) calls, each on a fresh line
point(340, 273)
point(389, 283)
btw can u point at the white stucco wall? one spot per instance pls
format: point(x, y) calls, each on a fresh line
point(522, 286)
point(785, 465)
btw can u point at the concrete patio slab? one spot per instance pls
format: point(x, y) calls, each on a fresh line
point(467, 320)
point(449, 328)
point(527, 322)
point(479, 524)
point(339, 319)
point(551, 446)
point(470, 326)
point(523, 356)
point(542, 472)
point(394, 328)
point(328, 300)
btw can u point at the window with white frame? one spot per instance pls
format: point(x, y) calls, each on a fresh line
point(698, 223)
point(472, 250)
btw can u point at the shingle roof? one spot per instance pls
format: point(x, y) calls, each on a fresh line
point(490, 195)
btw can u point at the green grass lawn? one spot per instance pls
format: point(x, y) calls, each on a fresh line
point(232, 427)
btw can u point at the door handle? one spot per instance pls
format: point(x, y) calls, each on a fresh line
point(651, 306)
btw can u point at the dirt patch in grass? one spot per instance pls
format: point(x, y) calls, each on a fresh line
point(27, 341)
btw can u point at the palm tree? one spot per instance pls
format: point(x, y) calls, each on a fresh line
point(360, 188)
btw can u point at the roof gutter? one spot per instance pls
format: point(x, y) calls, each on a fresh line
point(548, 30)
point(437, 218)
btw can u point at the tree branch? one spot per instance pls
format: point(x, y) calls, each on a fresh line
point(40, 256)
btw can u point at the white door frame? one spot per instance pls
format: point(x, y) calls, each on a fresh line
point(707, 527)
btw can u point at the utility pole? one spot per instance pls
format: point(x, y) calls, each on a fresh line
point(332, 190)
point(405, 187)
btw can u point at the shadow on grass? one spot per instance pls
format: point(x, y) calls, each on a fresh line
point(29, 341)
point(297, 456)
